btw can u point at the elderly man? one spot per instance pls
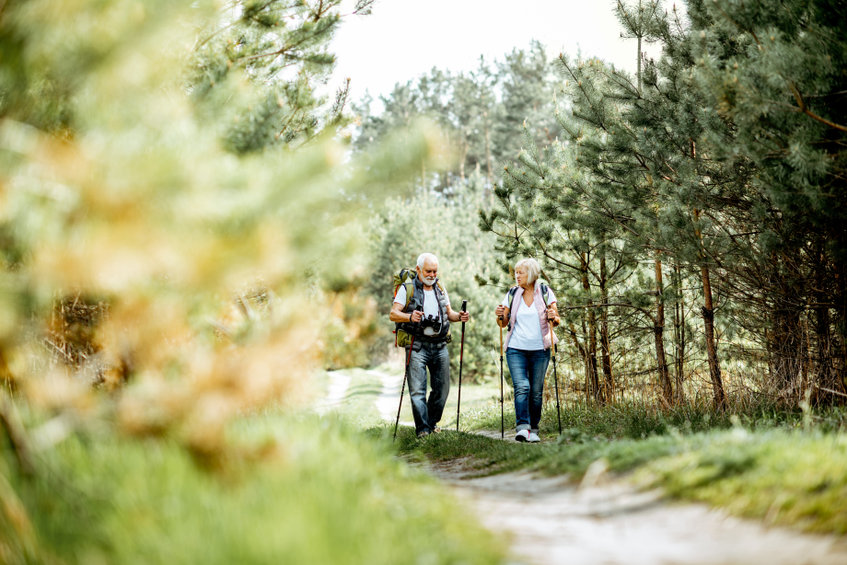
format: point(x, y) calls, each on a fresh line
point(426, 316)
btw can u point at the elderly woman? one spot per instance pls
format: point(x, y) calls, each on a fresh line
point(528, 311)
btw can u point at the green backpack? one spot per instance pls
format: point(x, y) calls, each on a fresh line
point(402, 277)
point(405, 278)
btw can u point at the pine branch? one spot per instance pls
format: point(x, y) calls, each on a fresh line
point(215, 34)
point(802, 107)
point(363, 7)
point(321, 11)
point(341, 96)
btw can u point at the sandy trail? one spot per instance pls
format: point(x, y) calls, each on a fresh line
point(605, 522)
point(339, 382)
point(388, 397)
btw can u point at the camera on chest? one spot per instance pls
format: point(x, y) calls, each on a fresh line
point(431, 321)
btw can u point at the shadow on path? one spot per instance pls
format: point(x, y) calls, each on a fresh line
point(603, 521)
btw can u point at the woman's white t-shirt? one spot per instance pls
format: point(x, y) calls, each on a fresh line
point(526, 334)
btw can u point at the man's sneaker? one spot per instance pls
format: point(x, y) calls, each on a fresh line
point(436, 430)
point(522, 436)
point(423, 433)
point(533, 437)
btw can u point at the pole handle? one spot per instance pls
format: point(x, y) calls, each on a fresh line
point(501, 338)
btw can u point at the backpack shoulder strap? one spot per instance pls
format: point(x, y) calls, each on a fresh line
point(545, 295)
point(399, 278)
point(406, 279)
point(512, 292)
point(409, 285)
point(511, 295)
point(440, 287)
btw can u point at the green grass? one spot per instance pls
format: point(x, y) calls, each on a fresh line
point(793, 478)
point(321, 493)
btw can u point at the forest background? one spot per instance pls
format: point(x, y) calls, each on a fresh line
point(190, 233)
point(674, 211)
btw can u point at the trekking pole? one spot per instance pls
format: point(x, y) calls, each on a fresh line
point(403, 387)
point(502, 425)
point(555, 378)
point(461, 355)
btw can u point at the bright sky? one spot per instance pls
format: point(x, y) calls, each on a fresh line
point(403, 39)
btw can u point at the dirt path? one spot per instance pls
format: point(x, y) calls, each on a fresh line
point(604, 522)
point(608, 522)
point(339, 382)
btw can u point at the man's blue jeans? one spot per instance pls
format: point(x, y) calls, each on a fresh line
point(528, 369)
point(433, 356)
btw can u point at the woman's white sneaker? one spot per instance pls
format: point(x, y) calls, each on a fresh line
point(533, 437)
point(522, 435)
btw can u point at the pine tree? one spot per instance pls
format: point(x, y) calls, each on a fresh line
point(473, 110)
point(480, 112)
point(783, 88)
point(672, 118)
point(639, 182)
point(620, 185)
point(280, 47)
point(527, 96)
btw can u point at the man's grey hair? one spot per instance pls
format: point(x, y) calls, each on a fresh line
point(423, 257)
point(533, 269)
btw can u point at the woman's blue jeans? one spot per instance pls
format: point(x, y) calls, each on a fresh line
point(432, 356)
point(528, 369)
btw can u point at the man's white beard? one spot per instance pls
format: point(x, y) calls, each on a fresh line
point(429, 281)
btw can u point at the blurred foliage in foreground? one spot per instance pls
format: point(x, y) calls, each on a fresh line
point(140, 253)
point(171, 251)
point(143, 501)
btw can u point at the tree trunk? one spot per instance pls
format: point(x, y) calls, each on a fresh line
point(823, 374)
point(462, 158)
point(718, 395)
point(659, 335)
point(840, 300)
point(786, 343)
point(826, 385)
point(583, 354)
point(592, 382)
point(638, 78)
point(605, 345)
point(679, 335)
point(592, 355)
point(488, 166)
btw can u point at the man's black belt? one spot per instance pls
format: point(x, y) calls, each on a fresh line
point(431, 338)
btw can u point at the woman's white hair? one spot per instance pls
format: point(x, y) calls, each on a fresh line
point(423, 257)
point(533, 269)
